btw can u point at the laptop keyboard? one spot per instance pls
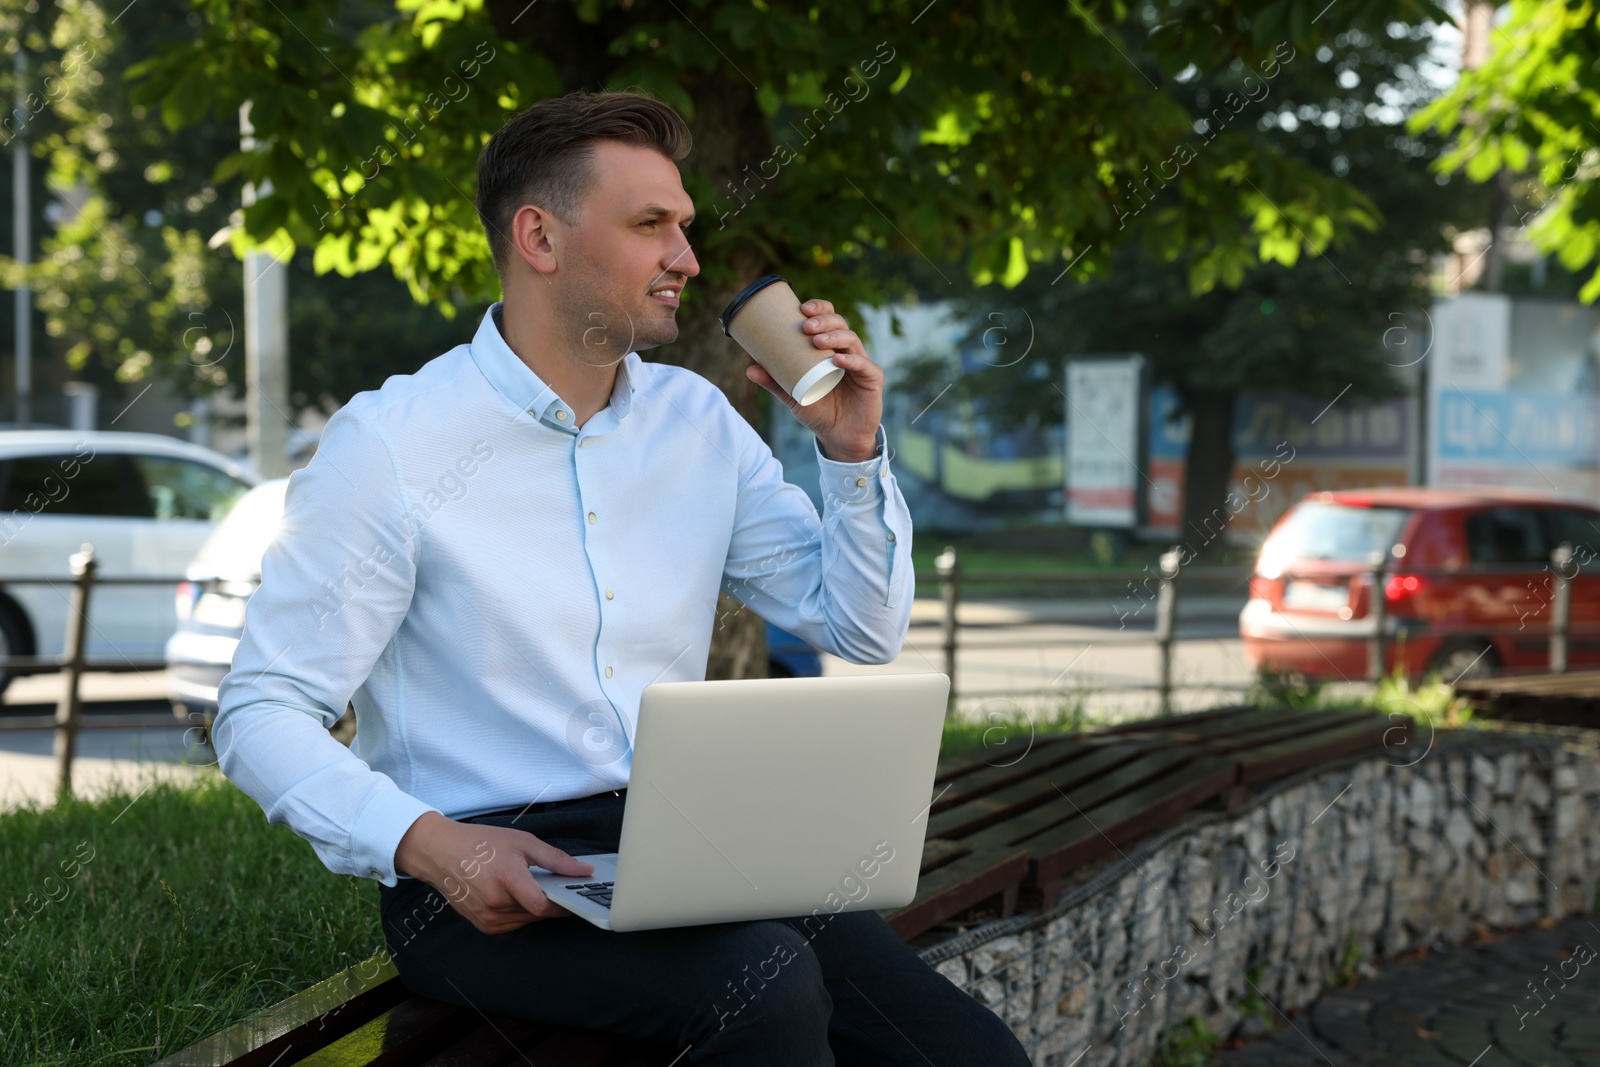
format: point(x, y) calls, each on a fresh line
point(599, 892)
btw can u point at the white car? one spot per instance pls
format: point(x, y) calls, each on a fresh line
point(210, 603)
point(146, 502)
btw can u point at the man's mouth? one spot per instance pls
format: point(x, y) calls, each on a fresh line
point(666, 294)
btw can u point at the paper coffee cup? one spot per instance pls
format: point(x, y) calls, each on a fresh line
point(767, 322)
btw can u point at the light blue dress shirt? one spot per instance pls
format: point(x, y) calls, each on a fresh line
point(493, 588)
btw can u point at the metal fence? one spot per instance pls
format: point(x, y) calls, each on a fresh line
point(72, 663)
point(1130, 585)
point(1540, 620)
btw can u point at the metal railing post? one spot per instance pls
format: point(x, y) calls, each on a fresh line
point(67, 711)
point(1167, 624)
point(1560, 607)
point(949, 568)
point(1376, 603)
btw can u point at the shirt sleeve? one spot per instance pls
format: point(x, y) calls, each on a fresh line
point(841, 581)
point(336, 582)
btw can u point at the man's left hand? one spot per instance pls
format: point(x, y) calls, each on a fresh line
point(846, 420)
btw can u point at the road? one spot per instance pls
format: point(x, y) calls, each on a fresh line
point(1075, 652)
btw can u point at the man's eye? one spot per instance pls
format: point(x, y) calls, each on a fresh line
point(648, 222)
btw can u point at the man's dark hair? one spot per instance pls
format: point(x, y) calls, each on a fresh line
point(544, 155)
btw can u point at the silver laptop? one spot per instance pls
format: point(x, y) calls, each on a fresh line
point(767, 798)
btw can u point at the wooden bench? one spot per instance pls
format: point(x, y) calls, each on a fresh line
point(1002, 824)
point(1568, 699)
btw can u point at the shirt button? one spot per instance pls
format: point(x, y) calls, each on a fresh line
point(608, 672)
point(591, 518)
point(562, 415)
point(861, 481)
point(891, 537)
point(609, 596)
point(375, 873)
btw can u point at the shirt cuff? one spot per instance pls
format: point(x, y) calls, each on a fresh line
point(378, 830)
point(854, 481)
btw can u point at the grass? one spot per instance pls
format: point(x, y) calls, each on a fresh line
point(135, 924)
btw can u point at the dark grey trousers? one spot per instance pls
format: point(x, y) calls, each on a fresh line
point(771, 993)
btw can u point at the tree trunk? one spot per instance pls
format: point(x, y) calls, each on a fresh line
point(729, 130)
point(1206, 516)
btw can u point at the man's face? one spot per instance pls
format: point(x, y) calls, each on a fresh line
point(628, 242)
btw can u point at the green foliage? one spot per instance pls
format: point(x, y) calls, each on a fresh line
point(1431, 702)
point(1531, 109)
point(142, 921)
point(998, 137)
point(1189, 1044)
point(1254, 1005)
point(1350, 961)
point(141, 282)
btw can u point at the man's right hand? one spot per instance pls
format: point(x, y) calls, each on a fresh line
point(483, 870)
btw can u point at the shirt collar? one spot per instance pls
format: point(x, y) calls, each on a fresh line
point(517, 382)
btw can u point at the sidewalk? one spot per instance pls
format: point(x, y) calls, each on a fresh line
point(1472, 1005)
point(1090, 610)
point(106, 756)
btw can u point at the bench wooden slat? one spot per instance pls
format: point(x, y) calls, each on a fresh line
point(1036, 789)
point(988, 778)
point(936, 852)
point(956, 887)
point(413, 1029)
point(304, 1022)
point(1061, 849)
point(1364, 734)
point(497, 1041)
point(1086, 795)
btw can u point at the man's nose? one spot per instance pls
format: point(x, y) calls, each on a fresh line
point(683, 262)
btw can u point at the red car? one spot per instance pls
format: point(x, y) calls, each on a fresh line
point(1468, 589)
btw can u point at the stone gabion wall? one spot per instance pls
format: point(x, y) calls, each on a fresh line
point(1366, 858)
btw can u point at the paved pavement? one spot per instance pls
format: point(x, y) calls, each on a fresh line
point(1530, 999)
point(106, 756)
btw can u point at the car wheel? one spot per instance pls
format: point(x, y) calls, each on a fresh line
point(1465, 661)
point(15, 638)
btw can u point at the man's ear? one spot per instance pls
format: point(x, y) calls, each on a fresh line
point(535, 237)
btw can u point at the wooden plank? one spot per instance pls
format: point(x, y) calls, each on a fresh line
point(1186, 721)
point(1023, 796)
point(1265, 719)
point(1085, 794)
point(956, 887)
point(412, 1030)
point(936, 852)
point(1274, 761)
point(1299, 728)
point(305, 1022)
point(989, 778)
point(967, 762)
point(499, 1040)
point(1097, 830)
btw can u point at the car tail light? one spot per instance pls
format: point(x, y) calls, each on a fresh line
point(1262, 588)
point(1402, 590)
point(183, 600)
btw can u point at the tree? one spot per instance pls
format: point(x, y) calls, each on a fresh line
point(1000, 136)
point(1532, 109)
point(1319, 329)
point(133, 286)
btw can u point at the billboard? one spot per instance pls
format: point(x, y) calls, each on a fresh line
point(1105, 424)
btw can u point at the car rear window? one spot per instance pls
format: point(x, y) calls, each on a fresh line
point(1336, 532)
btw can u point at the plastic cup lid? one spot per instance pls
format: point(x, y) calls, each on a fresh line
point(744, 296)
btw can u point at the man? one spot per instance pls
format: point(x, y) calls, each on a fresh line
point(492, 557)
